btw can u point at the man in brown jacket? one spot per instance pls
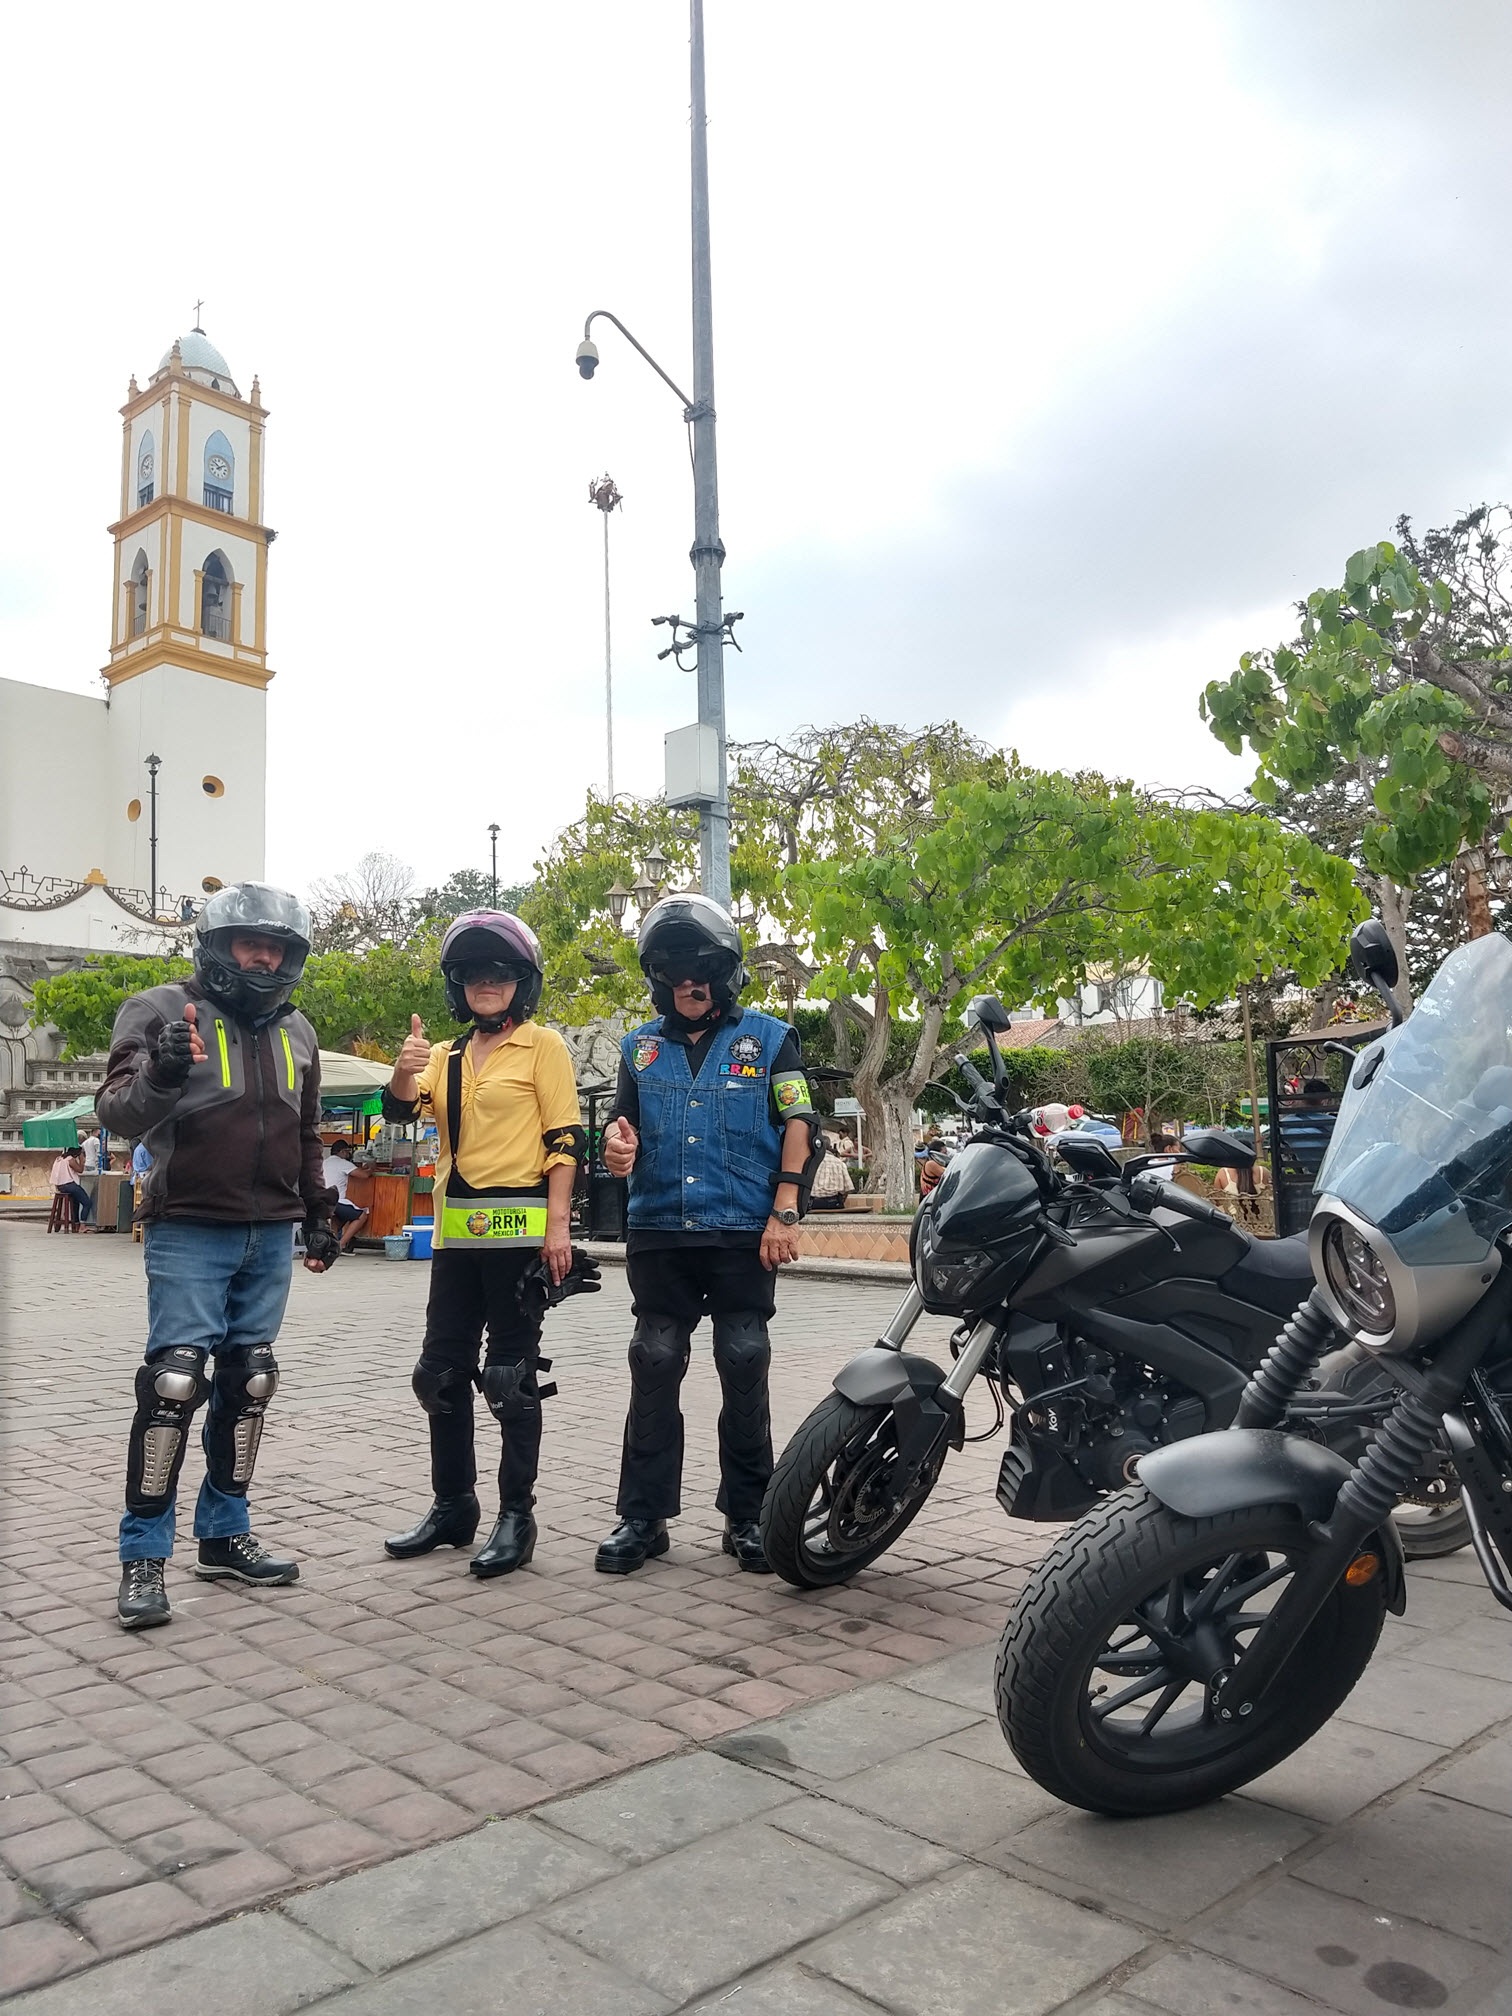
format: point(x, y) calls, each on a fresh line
point(220, 1077)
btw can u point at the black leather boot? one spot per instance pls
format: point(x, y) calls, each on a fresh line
point(142, 1600)
point(509, 1546)
point(450, 1522)
point(633, 1542)
point(742, 1538)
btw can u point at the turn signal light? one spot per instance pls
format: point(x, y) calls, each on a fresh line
point(1361, 1570)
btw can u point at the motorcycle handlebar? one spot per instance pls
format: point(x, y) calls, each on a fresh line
point(1146, 1192)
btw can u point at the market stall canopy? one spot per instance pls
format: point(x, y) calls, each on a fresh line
point(351, 1083)
point(57, 1129)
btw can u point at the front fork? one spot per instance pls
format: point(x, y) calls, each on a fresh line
point(926, 1422)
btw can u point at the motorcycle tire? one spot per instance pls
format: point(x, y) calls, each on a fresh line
point(827, 1513)
point(1444, 1530)
point(1129, 1563)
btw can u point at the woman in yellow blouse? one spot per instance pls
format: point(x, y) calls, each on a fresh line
point(510, 1133)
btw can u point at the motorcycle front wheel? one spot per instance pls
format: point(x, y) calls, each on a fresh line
point(831, 1507)
point(1102, 1672)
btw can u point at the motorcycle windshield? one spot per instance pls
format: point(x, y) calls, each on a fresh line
point(1424, 1151)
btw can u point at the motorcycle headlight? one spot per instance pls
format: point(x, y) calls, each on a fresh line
point(1357, 1275)
point(951, 1277)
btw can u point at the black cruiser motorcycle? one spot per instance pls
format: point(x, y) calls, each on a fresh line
point(1110, 1313)
point(1197, 1628)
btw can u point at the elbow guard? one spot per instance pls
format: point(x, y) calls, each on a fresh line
point(804, 1180)
point(571, 1141)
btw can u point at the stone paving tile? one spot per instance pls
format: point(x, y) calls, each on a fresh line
point(389, 1915)
point(651, 1812)
point(1481, 1777)
point(254, 1966)
point(1197, 1984)
point(1164, 1869)
point(837, 1738)
point(786, 1991)
point(947, 1798)
point(1445, 1707)
point(1430, 1858)
point(900, 1856)
point(544, 1975)
point(975, 1943)
point(1345, 1767)
point(743, 1897)
point(1341, 1952)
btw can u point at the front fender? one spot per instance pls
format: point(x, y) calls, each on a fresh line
point(878, 1377)
point(1209, 1474)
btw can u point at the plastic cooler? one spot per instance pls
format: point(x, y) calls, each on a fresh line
point(419, 1236)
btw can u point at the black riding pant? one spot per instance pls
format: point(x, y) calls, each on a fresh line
point(471, 1291)
point(672, 1289)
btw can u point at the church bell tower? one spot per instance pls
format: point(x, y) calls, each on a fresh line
point(188, 670)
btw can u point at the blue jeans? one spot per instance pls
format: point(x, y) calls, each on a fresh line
point(211, 1286)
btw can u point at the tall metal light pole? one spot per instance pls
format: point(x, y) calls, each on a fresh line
point(604, 494)
point(154, 764)
point(493, 849)
point(710, 629)
point(708, 552)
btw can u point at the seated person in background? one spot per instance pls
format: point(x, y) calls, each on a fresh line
point(831, 1184)
point(930, 1156)
point(1308, 1128)
point(64, 1177)
point(337, 1170)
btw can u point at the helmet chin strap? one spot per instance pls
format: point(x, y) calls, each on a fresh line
point(490, 1025)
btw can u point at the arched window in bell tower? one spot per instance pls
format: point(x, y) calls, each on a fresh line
point(139, 593)
point(215, 599)
point(220, 473)
point(146, 470)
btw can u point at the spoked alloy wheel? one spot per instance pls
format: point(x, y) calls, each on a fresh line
point(831, 1507)
point(1104, 1676)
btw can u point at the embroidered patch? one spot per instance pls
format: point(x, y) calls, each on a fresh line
point(790, 1092)
point(645, 1053)
point(746, 1050)
point(477, 1223)
point(742, 1070)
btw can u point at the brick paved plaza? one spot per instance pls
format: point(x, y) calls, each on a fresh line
point(350, 1751)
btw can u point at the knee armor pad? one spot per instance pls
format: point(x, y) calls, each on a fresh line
point(246, 1378)
point(742, 1349)
point(168, 1390)
point(660, 1350)
point(513, 1392)
point(434, 1379)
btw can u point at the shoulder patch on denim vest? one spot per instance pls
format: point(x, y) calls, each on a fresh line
point(645, 1052)
point(746, 1050)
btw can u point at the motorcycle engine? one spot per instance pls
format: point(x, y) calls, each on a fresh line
point(1121, 1412)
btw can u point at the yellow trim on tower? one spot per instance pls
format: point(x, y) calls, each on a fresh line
point(236, 620)
point(181, 484)
point(260, 601)
point(125, 468)
point(174, 613)
point(182, 658)
point(254, 470)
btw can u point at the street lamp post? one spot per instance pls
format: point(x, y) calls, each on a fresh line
point(154, 764)
point(493, 848)
point(606, 496)
point(710, 630)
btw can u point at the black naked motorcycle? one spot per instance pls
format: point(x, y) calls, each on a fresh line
point(1197, 1628)
point(1111, 1314)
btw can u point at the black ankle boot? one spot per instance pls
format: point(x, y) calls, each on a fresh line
point(450, 1522)
point(632, 1542)
point(742, 1538)
point(509, 1546)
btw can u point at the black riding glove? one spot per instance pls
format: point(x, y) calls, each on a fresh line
point(537, 1291)
point(172, 1059)
point(320, 1242)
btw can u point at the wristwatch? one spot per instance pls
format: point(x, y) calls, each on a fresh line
point(786, 1217)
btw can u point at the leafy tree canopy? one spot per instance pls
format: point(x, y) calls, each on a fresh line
point(83, 1003)
point(1399, 680)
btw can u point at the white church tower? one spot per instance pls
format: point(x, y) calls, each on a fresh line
point(181, 730)
point(188, 670)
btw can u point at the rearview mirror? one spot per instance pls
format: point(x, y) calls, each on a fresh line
point(988, 1013)
point(1372, 956)
point(1218, 1148)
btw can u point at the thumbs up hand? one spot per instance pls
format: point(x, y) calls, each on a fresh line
point(196, 1041)
point(414, 1055)
point(621, 1144)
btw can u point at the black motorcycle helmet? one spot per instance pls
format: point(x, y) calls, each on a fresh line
point(492, 938)
point(691, 937)
point(232, 912)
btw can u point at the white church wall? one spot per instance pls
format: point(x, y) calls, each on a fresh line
point(52, 760)
point(93, 922)
point(202, 728)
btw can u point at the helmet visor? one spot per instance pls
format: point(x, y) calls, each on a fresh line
point(703, 966)
point(487, 972)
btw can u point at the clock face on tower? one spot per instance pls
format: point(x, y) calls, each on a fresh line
point(147, 464)
point(219, 468)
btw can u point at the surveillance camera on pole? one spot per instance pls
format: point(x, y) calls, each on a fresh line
point(587, 357)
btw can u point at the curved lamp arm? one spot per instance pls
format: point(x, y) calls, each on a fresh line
point(587, 326)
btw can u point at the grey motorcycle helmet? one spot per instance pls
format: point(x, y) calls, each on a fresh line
point(691, 936)
point(232, 912)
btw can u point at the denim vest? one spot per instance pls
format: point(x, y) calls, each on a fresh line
point(709, 1147)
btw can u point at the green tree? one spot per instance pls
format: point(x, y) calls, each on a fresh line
point(83, 1003)
point(363, 1001)
point(1392, 709)
point(466, 889)
point(1024, 885)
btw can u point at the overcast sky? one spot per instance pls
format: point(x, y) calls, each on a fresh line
point(1058, 351)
